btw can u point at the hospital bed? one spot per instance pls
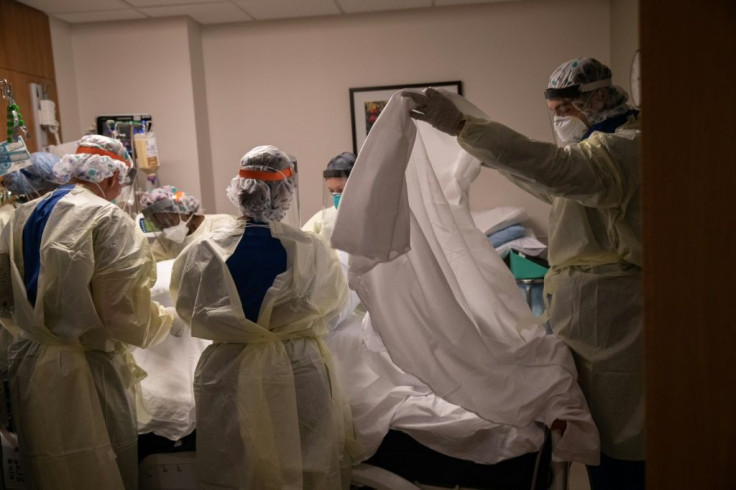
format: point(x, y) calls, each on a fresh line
point(406, 466)
point(176, 471)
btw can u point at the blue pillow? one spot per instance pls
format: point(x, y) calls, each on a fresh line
point(506, 235)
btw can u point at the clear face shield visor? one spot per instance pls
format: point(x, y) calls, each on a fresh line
point(565, 108)
point(293, 215)
point(127, 199)
point(333, 185)
point(164, 222)
point(154, 213)
point(33, 188)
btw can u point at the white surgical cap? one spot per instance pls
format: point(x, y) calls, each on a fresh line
point(169, 199)
point(579, 79)
point(97, 158)
point(265, 184)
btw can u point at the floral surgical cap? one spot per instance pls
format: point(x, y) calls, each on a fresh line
point(586, 72)
point(35, 179)
point(265, 184)
point(97, 158)
point(169, 199)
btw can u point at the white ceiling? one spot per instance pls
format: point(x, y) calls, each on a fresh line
point(221, 11)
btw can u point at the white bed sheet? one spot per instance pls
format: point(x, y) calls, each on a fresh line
point(384, 397)
point(445, 304)
point(165, 403)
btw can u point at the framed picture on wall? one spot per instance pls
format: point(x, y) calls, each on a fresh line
point(366, 104)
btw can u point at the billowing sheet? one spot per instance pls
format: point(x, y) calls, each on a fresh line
point(444, 303)
point(383, 397)
point(166, 395)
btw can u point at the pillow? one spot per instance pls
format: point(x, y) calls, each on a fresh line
point(492, 220)
point(507, 234)
point(528, 244)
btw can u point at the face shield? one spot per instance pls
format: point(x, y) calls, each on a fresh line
point(265, 185)
point(33, 181)
point(293, 215)
point(569, 112)
point(98, 158)
point(334, 179)
point(152, 214)
point(566, 121)
point(127, 199)
point(333, 185)
point(164, 222)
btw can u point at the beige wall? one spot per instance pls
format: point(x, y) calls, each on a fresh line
point(216, 91)
point(286, 83)
point(201, 121)
point(143, 67)
point(624, 39)
point(67, 112)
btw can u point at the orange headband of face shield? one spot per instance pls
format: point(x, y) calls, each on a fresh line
point(269, 176)
point(90, 150)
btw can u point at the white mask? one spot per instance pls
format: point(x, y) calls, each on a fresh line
point(177, 233)
point(569, 129)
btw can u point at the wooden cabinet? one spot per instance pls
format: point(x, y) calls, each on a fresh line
point(26, 57)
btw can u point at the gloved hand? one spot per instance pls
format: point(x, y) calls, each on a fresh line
point(436, 109)
point(178, 327)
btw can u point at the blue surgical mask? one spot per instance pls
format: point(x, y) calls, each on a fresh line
point(336, 198)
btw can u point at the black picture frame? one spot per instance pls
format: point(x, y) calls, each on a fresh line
point(363, 115)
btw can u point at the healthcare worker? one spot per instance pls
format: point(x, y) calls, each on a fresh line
point(179, 217)
point(24, 185)
point(336, 176)
point(592, 182)
point(28, 183)
point(81, 276)
point(166, 408)
point(269, 410)
point(7, 204)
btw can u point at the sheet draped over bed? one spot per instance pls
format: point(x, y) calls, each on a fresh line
point(445, 305)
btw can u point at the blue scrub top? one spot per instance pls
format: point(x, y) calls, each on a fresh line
point(32, 235)
point(254, 265)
